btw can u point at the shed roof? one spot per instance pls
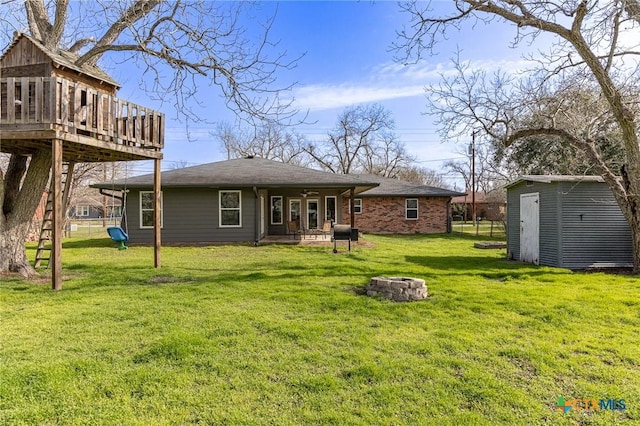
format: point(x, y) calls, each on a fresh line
point(63, 58)
point(393, 187)
point(246, 172)
point(554, 178)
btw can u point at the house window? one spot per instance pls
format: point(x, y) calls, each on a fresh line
point(357, 206)
point(411, 208)
point(115, 211)
point(276, 210)
point(230, 209)
point(82, 211)
point(146, 209)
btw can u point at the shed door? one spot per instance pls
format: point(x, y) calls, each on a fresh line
point(530, 227)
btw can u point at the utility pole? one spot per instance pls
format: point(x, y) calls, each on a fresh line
point(472, 151)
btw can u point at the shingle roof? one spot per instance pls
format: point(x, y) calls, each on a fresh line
point(394, 187)
point(66, 59)
point(246, 172)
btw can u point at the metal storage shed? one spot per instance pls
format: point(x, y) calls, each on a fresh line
point(567, 221)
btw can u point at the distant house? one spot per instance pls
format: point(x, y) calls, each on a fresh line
point(397, 207)
point(95, 207)
point(567, 221)
point(487, 207)
point(243, 199)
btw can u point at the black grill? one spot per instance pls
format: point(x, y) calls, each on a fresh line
point(343, 233)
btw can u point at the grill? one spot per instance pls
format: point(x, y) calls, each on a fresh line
point(343, 233)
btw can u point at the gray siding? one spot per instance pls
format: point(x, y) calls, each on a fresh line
point(580, 225)
point(191, 215)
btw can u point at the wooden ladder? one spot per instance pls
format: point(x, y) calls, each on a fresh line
point(43, 252)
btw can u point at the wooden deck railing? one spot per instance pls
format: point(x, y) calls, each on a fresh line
point(45, 103)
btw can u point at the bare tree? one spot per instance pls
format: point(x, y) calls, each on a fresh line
point(590, 51)
point(362, 141)
point(181, 45)
point(267, 140)
point(422, 176)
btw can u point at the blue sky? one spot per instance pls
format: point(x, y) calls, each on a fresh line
point(347, 61)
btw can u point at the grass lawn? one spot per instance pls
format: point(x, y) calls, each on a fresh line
point(281, 335)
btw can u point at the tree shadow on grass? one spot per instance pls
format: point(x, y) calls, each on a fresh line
point(88, 243)
point(485, 266)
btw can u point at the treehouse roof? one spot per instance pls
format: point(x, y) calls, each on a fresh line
point(60, 58)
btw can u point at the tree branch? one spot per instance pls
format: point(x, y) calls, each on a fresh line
point(135, 12)
point(39, 24)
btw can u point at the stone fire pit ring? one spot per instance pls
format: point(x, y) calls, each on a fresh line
point(398, 289)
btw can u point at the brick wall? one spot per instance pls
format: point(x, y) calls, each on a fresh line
point(386, 215)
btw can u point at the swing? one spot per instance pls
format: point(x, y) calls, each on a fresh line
point(117, 234)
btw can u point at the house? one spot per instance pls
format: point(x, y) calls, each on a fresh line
point(397, 207)
point(489, 206)
point(567, 221)
point(95, 207)
point(244, 199)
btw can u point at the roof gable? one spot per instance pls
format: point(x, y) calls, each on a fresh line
point(394, 187)
point(61, 58)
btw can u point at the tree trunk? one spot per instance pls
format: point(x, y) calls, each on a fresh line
point(20, 193)
point(635, 237)
point(13, 256)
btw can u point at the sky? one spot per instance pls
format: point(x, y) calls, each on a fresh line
point(347, 60)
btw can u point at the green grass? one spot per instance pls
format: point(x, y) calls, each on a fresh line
point(282, 335)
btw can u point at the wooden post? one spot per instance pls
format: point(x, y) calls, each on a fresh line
point(56, 243)
point(157, 217)
point(352, 200)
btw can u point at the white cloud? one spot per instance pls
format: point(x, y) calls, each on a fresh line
point(387, 82)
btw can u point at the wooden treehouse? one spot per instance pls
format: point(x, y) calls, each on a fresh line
point(49, 103)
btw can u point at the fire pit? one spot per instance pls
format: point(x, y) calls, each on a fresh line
point(398, 289)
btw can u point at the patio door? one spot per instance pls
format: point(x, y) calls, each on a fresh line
point(330, 208)
point(295, 211)
point(312, 214)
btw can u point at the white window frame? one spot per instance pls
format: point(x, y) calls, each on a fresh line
point(142, 225)
point(82, 211)
point(357, 206)
point(273, 197)
point(407, 208)
point(239, 208)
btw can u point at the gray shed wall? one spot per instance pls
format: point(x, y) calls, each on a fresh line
point(593, 227)
point(549, 223)
point(581, 225)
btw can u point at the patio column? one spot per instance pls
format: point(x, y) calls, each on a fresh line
point(157, 217)
point(352, 201)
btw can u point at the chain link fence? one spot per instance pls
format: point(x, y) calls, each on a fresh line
point(486, 228)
